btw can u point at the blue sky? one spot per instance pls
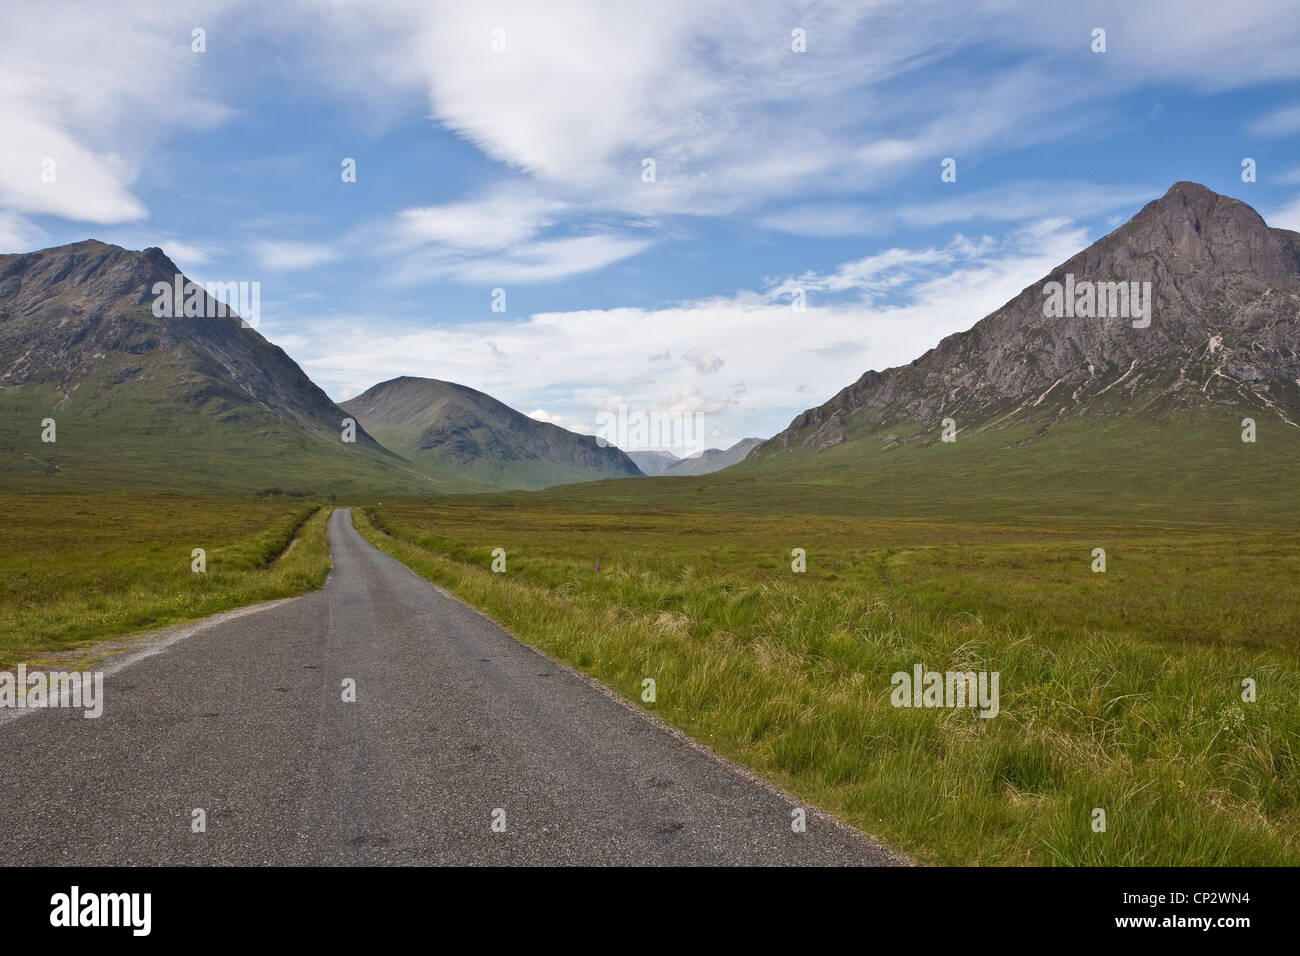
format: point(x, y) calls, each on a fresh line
point(521, 168)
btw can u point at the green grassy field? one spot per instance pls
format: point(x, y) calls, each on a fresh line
point(76, 569)
point(141, 443)
point(1119, 691)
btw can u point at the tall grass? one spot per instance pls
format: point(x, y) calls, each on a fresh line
point(77, 569)
point(1139, 715)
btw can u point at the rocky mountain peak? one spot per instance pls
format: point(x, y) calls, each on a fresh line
point(79, 318)
point(1223, 329)
point(1192, 228)
point(100, 272)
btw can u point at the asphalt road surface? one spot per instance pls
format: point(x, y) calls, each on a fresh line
point(454, 720)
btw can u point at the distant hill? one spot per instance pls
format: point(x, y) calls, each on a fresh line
point(199, 404)
point(453, 430)
point(653, 462)
point(714, 459)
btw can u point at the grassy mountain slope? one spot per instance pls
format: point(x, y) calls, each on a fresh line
point(196, 405)
point(450, 429)
point(1192, 469)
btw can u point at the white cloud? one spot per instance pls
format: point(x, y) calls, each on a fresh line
point(43, 169)
point(574, 364)
point(541, 415)
point(186, 254)
point(95, 89)
point(503, 219)
point(286, 255)
point(584, 91)
point(703, 361)
point(499, 237)
point(1017, 202)
point(711, 90)
point(18, 235)
point(872, 274)
point(691, 400)
point(826, 220)
point(1287, 217)
point(1032, 200)
point(541, 261)
point(1282, 122)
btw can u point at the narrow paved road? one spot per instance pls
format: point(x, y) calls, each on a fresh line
point(454, 719)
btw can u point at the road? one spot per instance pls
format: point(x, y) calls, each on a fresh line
point(454, 719)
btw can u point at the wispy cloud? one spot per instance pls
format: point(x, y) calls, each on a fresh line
point(1016, 202)
point(18, 234)
point(283, 255)
point(500, 237)
point(542, 261)
point(501, 220)
point(86, 92)
point(1281, 122)
point(582, 92)
point(1286, 217)
point(186, 254)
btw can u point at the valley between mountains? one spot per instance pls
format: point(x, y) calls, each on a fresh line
point(948, 514)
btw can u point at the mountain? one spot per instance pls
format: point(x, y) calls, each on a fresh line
point(198, 404)
point(452, 430)
point(1223, 337)
point(653, 462)
point(714, 459)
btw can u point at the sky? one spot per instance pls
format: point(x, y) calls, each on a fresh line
point(722, 210)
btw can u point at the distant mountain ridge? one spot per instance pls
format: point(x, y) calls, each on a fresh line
point(713, 459)
point(1225, 332)
point(206, 405)
point(454, 429)
point(653, 462)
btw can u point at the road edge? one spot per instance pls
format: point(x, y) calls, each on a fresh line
point(866, 841)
